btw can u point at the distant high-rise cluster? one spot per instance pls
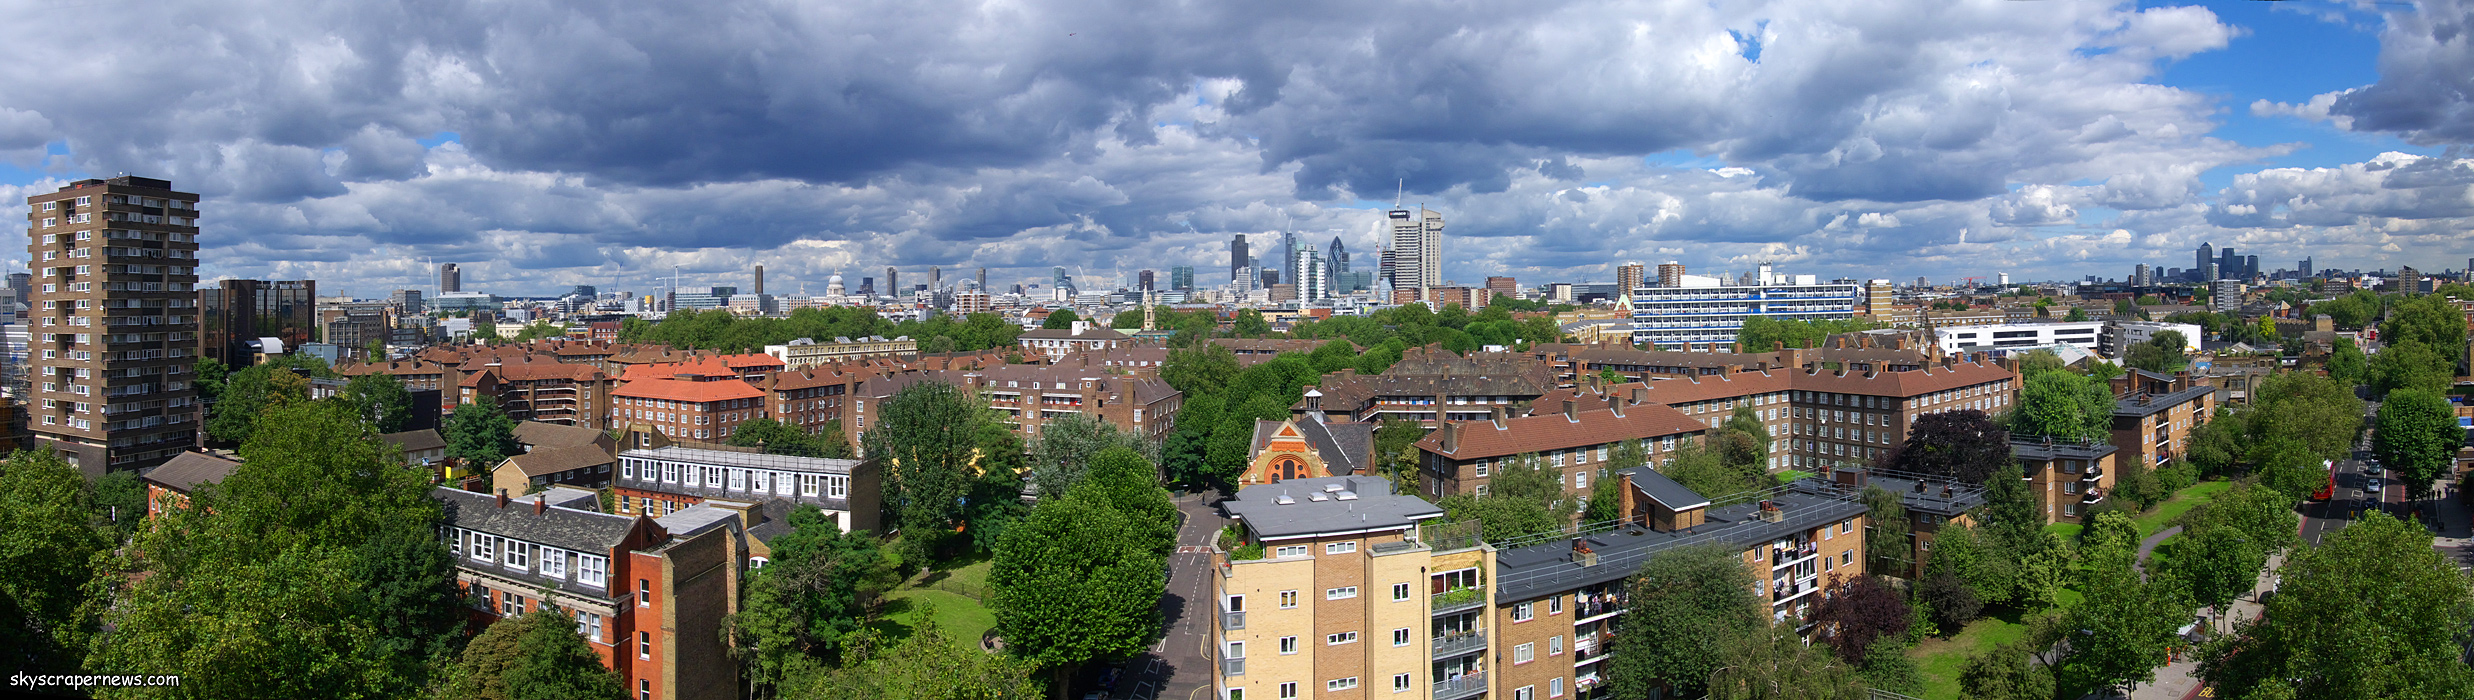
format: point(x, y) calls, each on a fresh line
point(1416, 253)
point(450, 278)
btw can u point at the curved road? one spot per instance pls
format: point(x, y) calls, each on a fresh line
point(2148, 546)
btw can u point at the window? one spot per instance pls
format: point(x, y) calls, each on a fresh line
point(1338, 638)
point(1400, 637)
point(1291, 551)
point(593, 571)
point(1400, 592)
point(644, 689)
point(484, 547)
point(589, 625)
point(1288, 691)
point(1339, 684)
point(1846, 526)
point(1554, 605)
point(1288, 599)
point(1400, 682)
point(644, 645)
point(1525, 653)
point(1288, 645)
point(519, 554)
point(1554, 645)
point(1339, 547)
point(644, 593)
point(1523, 612)
point(1554, 687)
point(1526, 692)
point(1846, 557)
point(553, 562)
point(1340, 593)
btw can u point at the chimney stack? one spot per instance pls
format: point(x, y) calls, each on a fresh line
point(541, 502)
point(1451, 436)
point(1572, 410)
point(502, 498)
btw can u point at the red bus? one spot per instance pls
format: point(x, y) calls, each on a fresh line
point(2329, 490)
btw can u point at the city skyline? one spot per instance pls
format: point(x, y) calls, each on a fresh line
point(2048, 140)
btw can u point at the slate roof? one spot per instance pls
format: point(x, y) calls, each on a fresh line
point(1665, 491)
point(558, 526)
point(416, 440)
point(1522, 573)
point(553, 460)
point(1555, 431)
point(537, 434)
point(189, 469)
point(1345, 447)
point(696, 519)
point(1371, 505)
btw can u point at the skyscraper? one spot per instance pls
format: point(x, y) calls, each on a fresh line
point(893, 282)
point(1240, 267)
point(450, 278)
point(2250, 266)
point(2140, 276)
point(981, 283)
point(936, 279)
point(105, 399)
point(2228, 265)
point(1417, 249)
point(1628, 277)
point(1306, 271)
point(1143, 280)
point(1181, 278)
point(2305, 267)
point(760, 280)
point(2206, 268)
point(1671, 274)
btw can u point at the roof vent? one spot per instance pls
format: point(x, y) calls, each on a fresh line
point(1284, 499)
point(1317, 497)
point(1346, 495)
point(1332, 488)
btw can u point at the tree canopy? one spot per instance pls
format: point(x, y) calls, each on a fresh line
point(1078, 581)
point(2417, 435)
point(2373, 612)
point(479, 434)
point(1963, 444)
point(1685, 604)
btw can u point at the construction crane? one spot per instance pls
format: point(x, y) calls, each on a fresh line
point(1970, 282)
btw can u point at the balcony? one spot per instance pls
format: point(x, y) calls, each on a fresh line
point(1233, 620)
point(1785, 556)
point(1233, 667)
point(1451, 644)
point(1456, 688)
point(1457, 599)
point(2093, 473)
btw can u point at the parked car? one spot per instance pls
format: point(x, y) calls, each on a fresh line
point(1109, 678)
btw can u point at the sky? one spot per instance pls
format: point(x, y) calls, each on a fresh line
point(545, 144)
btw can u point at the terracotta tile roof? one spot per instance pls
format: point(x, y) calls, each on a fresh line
point(539, 434)
point(692, 392)
point(416, 440)
point(189, 469)
point(1555, 431)
point(392, 368)
point(722, 366)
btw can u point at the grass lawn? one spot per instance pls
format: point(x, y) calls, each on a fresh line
point(2068, 531)
point(954, 595)
point(2181, 502)
point(1940, 659)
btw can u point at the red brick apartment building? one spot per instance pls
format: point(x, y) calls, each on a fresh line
point(649, 596)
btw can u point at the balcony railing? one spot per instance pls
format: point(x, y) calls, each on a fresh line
point(1458, 599)
point(1233, 667)
point(1464, 686)
point(2093, 473)
point(1233, 620)
point(1452, 644)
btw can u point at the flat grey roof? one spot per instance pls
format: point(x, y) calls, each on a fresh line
point(2157, 402)
point(1289, 509)
point(751, 460)
point(1527, 572)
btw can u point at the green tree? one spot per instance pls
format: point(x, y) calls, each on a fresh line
point(534, 656)
point(1074, 584)
point(2039, 361)
point(2346, 363)
point(2160, 353)
point(1772, 662)
point(1127, 482)
point(1395, 452)
point(2005, 672)
point(120, 503)
point(211, 376)
point(1745, 443)
point(1066, 446)
point(2428, 320)
point(49, 547)
point(1523, 498)
point(1204, 370)
point(929, 436)
point(1060, 319)
point(2077, 314)
point(2119, 633)
point(2265, 517)
point(2411, 365)
point(2064, 405)
point(2216, 564)
point(781, 438)
point(805, 604)
point(1605, 498)
point(250, 393)
point(313, 570)
point(1887, 545)
point(480, 435)
point(1684, 604)
point(927, 665)
point(380, 399)
point(1249, 324)
point(2417, 436)
point(2373, 612)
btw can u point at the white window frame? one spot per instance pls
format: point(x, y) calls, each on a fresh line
point(1338, 638)
point(1524, 612)
point(1286, 551)
point(1524, 653)
point(1400, 637)
point(1339, 684)
point(1341, 593)
point(1400, 592)
point(1288, 645)
point(1340, 547)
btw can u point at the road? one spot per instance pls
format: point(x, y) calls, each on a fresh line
point(2351, 500)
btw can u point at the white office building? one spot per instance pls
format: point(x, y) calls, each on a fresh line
point(1703, 311)
point(2088, 335)
point(2123, 334)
